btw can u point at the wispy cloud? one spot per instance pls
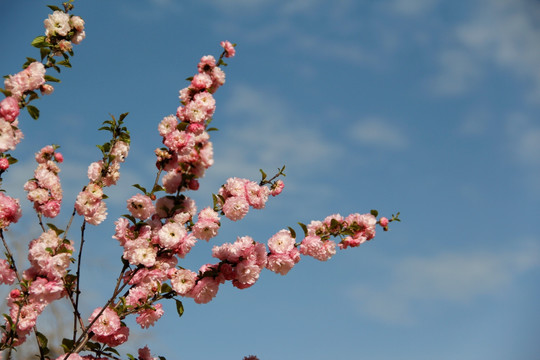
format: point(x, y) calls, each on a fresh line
point(412, 7)
point(502, 33)
point(454, 277)
point(379, 132)
point(524, 139)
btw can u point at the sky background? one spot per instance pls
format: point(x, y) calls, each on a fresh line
point(426, 107)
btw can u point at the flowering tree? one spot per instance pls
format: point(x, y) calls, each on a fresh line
point(163, 223)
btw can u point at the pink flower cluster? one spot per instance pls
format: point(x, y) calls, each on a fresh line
point(28, 79)
point(107, 328)
point(237, 195)
point(10, 134)
point(189, 152)
point(63, 29)
point(102, 173)
point(10, 210)
point(317, 243)
point(50, 257)
point(44, 190)
point(283, 253)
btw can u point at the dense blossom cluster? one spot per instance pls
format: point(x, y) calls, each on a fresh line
point(101, 173)
point(44, 190)
point(49, 257)
point(159, 231)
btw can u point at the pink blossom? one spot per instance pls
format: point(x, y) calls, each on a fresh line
point(205, 229)
point(281, 243)
point(171, 181)
point(171, 234)
point(119, 337)
point(182, 281)
point(58, 157)
point(57, 24)
point(383, 221)
point(7, 274)
point(229, 48)
point(120, 151)
point(141, 206)
point(144, 354)
point(77, 23)
point(315, 247)
point(235, 208)
point(10, 135)
point(256, 195)
point(9, 108)
point(277, 188)
point(167, 125)
point(46, 89)
point(10, 211)
point(36, 75)
point(207, 63)
point(148, 317)
point(204, 291)
point(201, 81)
point(282, 263)
point(107, 323)
point(4, 164)
point(78, 37)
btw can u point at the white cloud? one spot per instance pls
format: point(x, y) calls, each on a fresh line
point(458, 72)
point(454, 277)
point(374, 131)
point(412, 7)
point(503, 33)
point(524, 139)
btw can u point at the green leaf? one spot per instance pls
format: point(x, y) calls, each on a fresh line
point(212, 129)
point(165, 288)
point(65, 63)
point(263, 174)
point(157, 188)
point(140, 188)
point(67, 345)
point(179, 308)
point(55, 229)
point(293, 233)
point(44, 52)
point(33, 111)
point(374, 213)
point(304, 227)
point(130, 357)
point(39, 42)
point(51, 78)
point(54, 8)
point(43, 341)
point(110, 349)
point(122, 117)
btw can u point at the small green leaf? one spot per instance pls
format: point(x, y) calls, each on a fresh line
point(293, 233)
point(179, 308)
point(140, 188)
point(374, 213)
point(212, 129)
point(130, 357)
point(54, 8)
point(33, 111)
point(165, 288)
point(51, 78)
point(304, 227)
point(263, 174)
point(55, 229)
point(67, 345)
point(39, 42)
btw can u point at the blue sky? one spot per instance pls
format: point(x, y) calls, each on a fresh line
point(426, 107)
